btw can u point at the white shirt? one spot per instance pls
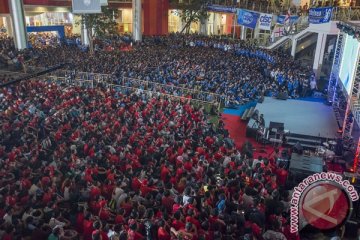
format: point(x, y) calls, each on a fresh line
point(66, 193)
point(313, 84)
point(7, 218)
point(54, 222)
point(33, 189)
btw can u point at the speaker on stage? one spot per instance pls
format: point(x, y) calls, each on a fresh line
point(297, 148)
point(282, 96)
point(261, 99)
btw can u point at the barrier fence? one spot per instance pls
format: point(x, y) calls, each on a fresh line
point(125, 84)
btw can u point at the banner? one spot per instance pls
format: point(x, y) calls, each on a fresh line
point(219, 8)
point(278, 32)
point(265, 21)
point(247, 18)
point(86, 6)
point(320, 15)
point(281, 19)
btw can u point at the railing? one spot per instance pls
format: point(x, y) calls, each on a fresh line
point(86, 79)
point(339, 13)
point(346, 14)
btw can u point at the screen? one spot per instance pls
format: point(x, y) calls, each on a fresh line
point(86, 6)
point(348, 62)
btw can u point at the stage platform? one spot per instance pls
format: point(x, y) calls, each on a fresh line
point(300, 117)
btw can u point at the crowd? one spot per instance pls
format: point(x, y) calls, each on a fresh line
point(9, 55)
point(128, 166)
point(108, 164)
point(231, 68)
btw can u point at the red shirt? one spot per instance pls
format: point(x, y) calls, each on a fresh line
point(80, 222)
point(7, 237)
point(168, 202)
point(88, 229)
point(133, 235)
point(177, 225)
point(163, 234)
point(119, 219)
point(281, 176)
point(94, 192)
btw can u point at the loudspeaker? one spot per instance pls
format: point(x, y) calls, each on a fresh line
point(282, 96)
point(351, 229)
point(297, 148)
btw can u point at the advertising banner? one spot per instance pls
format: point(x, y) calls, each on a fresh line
point(320, 15)
point(247, 18)
point(281, 19)
point(219, 8)
point(86, 6)
point(265, 21)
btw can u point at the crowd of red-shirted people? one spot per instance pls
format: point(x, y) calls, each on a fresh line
point(104, 164)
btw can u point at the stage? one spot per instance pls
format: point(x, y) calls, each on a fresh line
point(300, 117)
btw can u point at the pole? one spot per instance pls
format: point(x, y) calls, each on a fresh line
point(18, 23)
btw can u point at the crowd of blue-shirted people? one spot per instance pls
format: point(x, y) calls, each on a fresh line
point(234, 69)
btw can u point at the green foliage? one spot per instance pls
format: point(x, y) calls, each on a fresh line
point(192, 11)
point(100, 24)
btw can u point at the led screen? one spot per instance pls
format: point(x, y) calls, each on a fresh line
point(348, 62)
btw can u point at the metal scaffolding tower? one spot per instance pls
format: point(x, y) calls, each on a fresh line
point(334, 92)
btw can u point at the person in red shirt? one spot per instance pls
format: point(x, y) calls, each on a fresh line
point(80, 218)
point(167, 201)
point(162, 233)
point(88, 227)
point(177, 223)
point(8, 233)
point(282, 175)
point(132, 233)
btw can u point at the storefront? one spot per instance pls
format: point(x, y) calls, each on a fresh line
point(5, 25)
point(176, 24)
point(220, 23)
point(217, 23)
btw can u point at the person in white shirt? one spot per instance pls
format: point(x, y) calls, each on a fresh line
point(8, 216)
point(313, 85)
point(33, 189)
point(54, 222)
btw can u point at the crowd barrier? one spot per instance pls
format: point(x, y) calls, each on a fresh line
point(125, 84)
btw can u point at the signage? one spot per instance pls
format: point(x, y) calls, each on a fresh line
point(320, 15)
point(247, 18)
point(219, 8)
point(265, 21)
point(281, 19)
point(86, 6)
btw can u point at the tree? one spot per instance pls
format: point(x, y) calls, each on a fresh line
point(192, 11)
point(99, 24)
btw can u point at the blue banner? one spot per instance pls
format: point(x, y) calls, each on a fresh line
point(219, 8)
point(320, 15)
point(281, 19)
point(247, 18)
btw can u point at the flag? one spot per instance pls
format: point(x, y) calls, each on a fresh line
point(287, 17)
point(278, 32)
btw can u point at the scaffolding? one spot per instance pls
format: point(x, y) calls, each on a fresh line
point(334, 93)
point(343, 102)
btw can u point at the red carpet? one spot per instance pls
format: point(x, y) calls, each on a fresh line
point(237, 131)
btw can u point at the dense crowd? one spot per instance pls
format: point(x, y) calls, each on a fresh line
point(109, 164)
point(128, 166)
point(231, 68)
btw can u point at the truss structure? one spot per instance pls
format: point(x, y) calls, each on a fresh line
point(335, 95)
point(353, 109)
point(346, 106)
point(335, 89)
